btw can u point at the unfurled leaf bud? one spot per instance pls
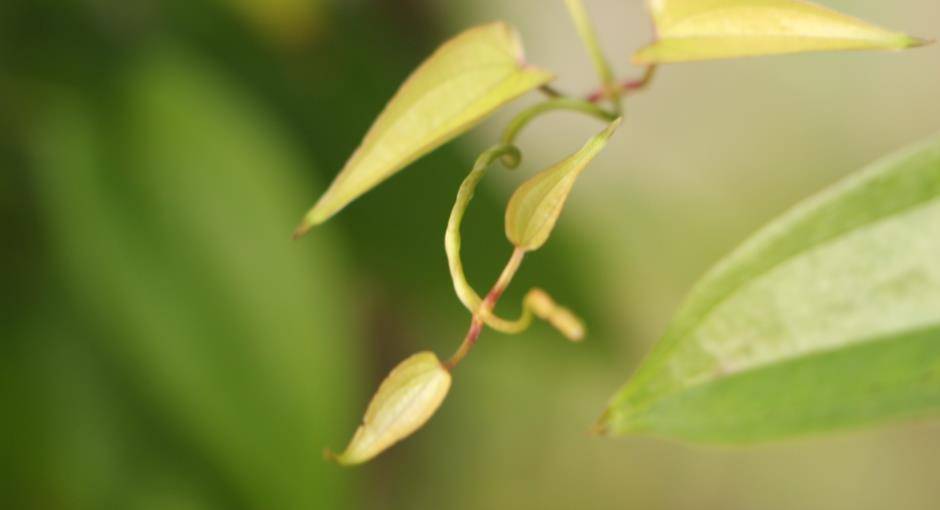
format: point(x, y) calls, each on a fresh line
point(405, 401)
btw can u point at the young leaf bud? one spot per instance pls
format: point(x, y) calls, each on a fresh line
point(558, 316)
point(535, 206)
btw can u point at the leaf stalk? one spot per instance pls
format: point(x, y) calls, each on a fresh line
point(477, 322)
point(585, 28)
point(523, 118)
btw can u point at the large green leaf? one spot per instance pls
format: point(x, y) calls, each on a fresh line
point(690, 30)
point(222, 330)
point(829, 317)
point(465, 80)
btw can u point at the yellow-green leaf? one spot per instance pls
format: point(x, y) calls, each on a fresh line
point(691, 30)
point(405, 401)
point(466, 79)
point(535, 206)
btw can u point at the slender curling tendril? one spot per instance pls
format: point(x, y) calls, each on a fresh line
point(537, 302)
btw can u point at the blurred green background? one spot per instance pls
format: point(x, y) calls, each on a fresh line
point(166, 346)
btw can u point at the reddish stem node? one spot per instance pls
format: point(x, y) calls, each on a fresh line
point(476, 323)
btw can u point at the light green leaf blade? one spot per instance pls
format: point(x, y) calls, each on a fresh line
point(535, 206)
point(690, 30)
point(464, 81)
point(827, 318)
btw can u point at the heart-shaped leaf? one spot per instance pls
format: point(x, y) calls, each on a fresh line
point(405, 401)
point(535, 206)
point(691, 30)
point(465, 80)
point(827, 318)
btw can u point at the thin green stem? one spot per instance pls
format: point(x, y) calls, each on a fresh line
point(536, 301)
point(452, 239)
point(486, 306)
point(588, 36)
point(517, 124)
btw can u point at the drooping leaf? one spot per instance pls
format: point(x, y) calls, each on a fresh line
point(690, 30)
point(405, 401)
point(827, 318)
point(535, 206)
point(465, 80)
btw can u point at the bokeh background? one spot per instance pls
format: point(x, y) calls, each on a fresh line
point(165, 346)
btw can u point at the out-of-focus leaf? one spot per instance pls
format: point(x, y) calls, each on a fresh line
point(222, 329)
point(465, 80)
point(691, 30)
point(88, 433)
point(288, 22)
point(829, 317)
point(535, 206)
point(405, 401)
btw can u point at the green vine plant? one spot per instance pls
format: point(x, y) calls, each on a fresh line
point(482, 69)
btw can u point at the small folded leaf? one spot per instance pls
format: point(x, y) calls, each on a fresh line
point(690, 30)
point(405, 401)
point(535, 206)
point(827, 318)
point(465, 80)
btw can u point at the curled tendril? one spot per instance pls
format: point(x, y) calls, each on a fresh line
point(452, 241)
point(537, 302)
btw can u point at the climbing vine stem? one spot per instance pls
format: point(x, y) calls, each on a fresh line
point(452, 238)
point(486, 306)
point(588, 35)
point(536, 301)
point(523, 118)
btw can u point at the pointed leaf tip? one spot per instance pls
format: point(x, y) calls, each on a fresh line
point(405, 401)
point(305, 226)
point(599, 428)
point(300, 231)
point(535, 207)
point(691, 30)
point(463, 82)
